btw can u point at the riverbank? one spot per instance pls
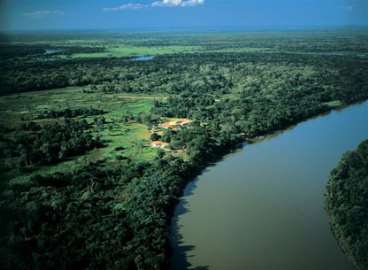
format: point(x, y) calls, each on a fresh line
point(346, 204)
point(255, 139)
point(287, 174)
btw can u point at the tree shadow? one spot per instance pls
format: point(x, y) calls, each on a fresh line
point(179, 257)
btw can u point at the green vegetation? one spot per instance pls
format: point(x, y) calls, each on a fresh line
point(68, 113)
point(100, 195)
point(347, 204)
point(125, 51)
point(50, 143)
point(29, 113)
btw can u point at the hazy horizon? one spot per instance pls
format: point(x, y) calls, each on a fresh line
point(24, 15)
point(214, 29)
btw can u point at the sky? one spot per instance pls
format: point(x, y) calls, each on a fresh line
point(179, 14)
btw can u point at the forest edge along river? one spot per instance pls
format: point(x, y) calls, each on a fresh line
point(262, 208)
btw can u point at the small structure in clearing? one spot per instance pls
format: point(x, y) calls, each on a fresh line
point(175, 123)
point(159, 144)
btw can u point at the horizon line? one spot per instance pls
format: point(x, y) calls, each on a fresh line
point(192, 29)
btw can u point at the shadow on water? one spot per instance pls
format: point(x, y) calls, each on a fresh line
point(179, 258)
point(179, 251)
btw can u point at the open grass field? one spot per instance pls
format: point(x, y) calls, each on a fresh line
point(126, 51)
point(122, 140)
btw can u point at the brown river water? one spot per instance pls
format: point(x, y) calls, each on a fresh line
point(262, 208)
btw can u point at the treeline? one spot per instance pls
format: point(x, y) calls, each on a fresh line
point(347, 204)
point(12, 51)
point(50, 143)
point(165, 74)
point(70, 113)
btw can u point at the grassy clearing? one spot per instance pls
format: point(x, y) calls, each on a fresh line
point(123, 140)
point(243, 50)
point(126, 51)
point(28, 105)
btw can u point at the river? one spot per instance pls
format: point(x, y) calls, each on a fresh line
point(262, 208)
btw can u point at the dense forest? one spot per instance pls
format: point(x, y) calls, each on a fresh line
point(50, 143)
point(347, 204)
point(114, 212)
